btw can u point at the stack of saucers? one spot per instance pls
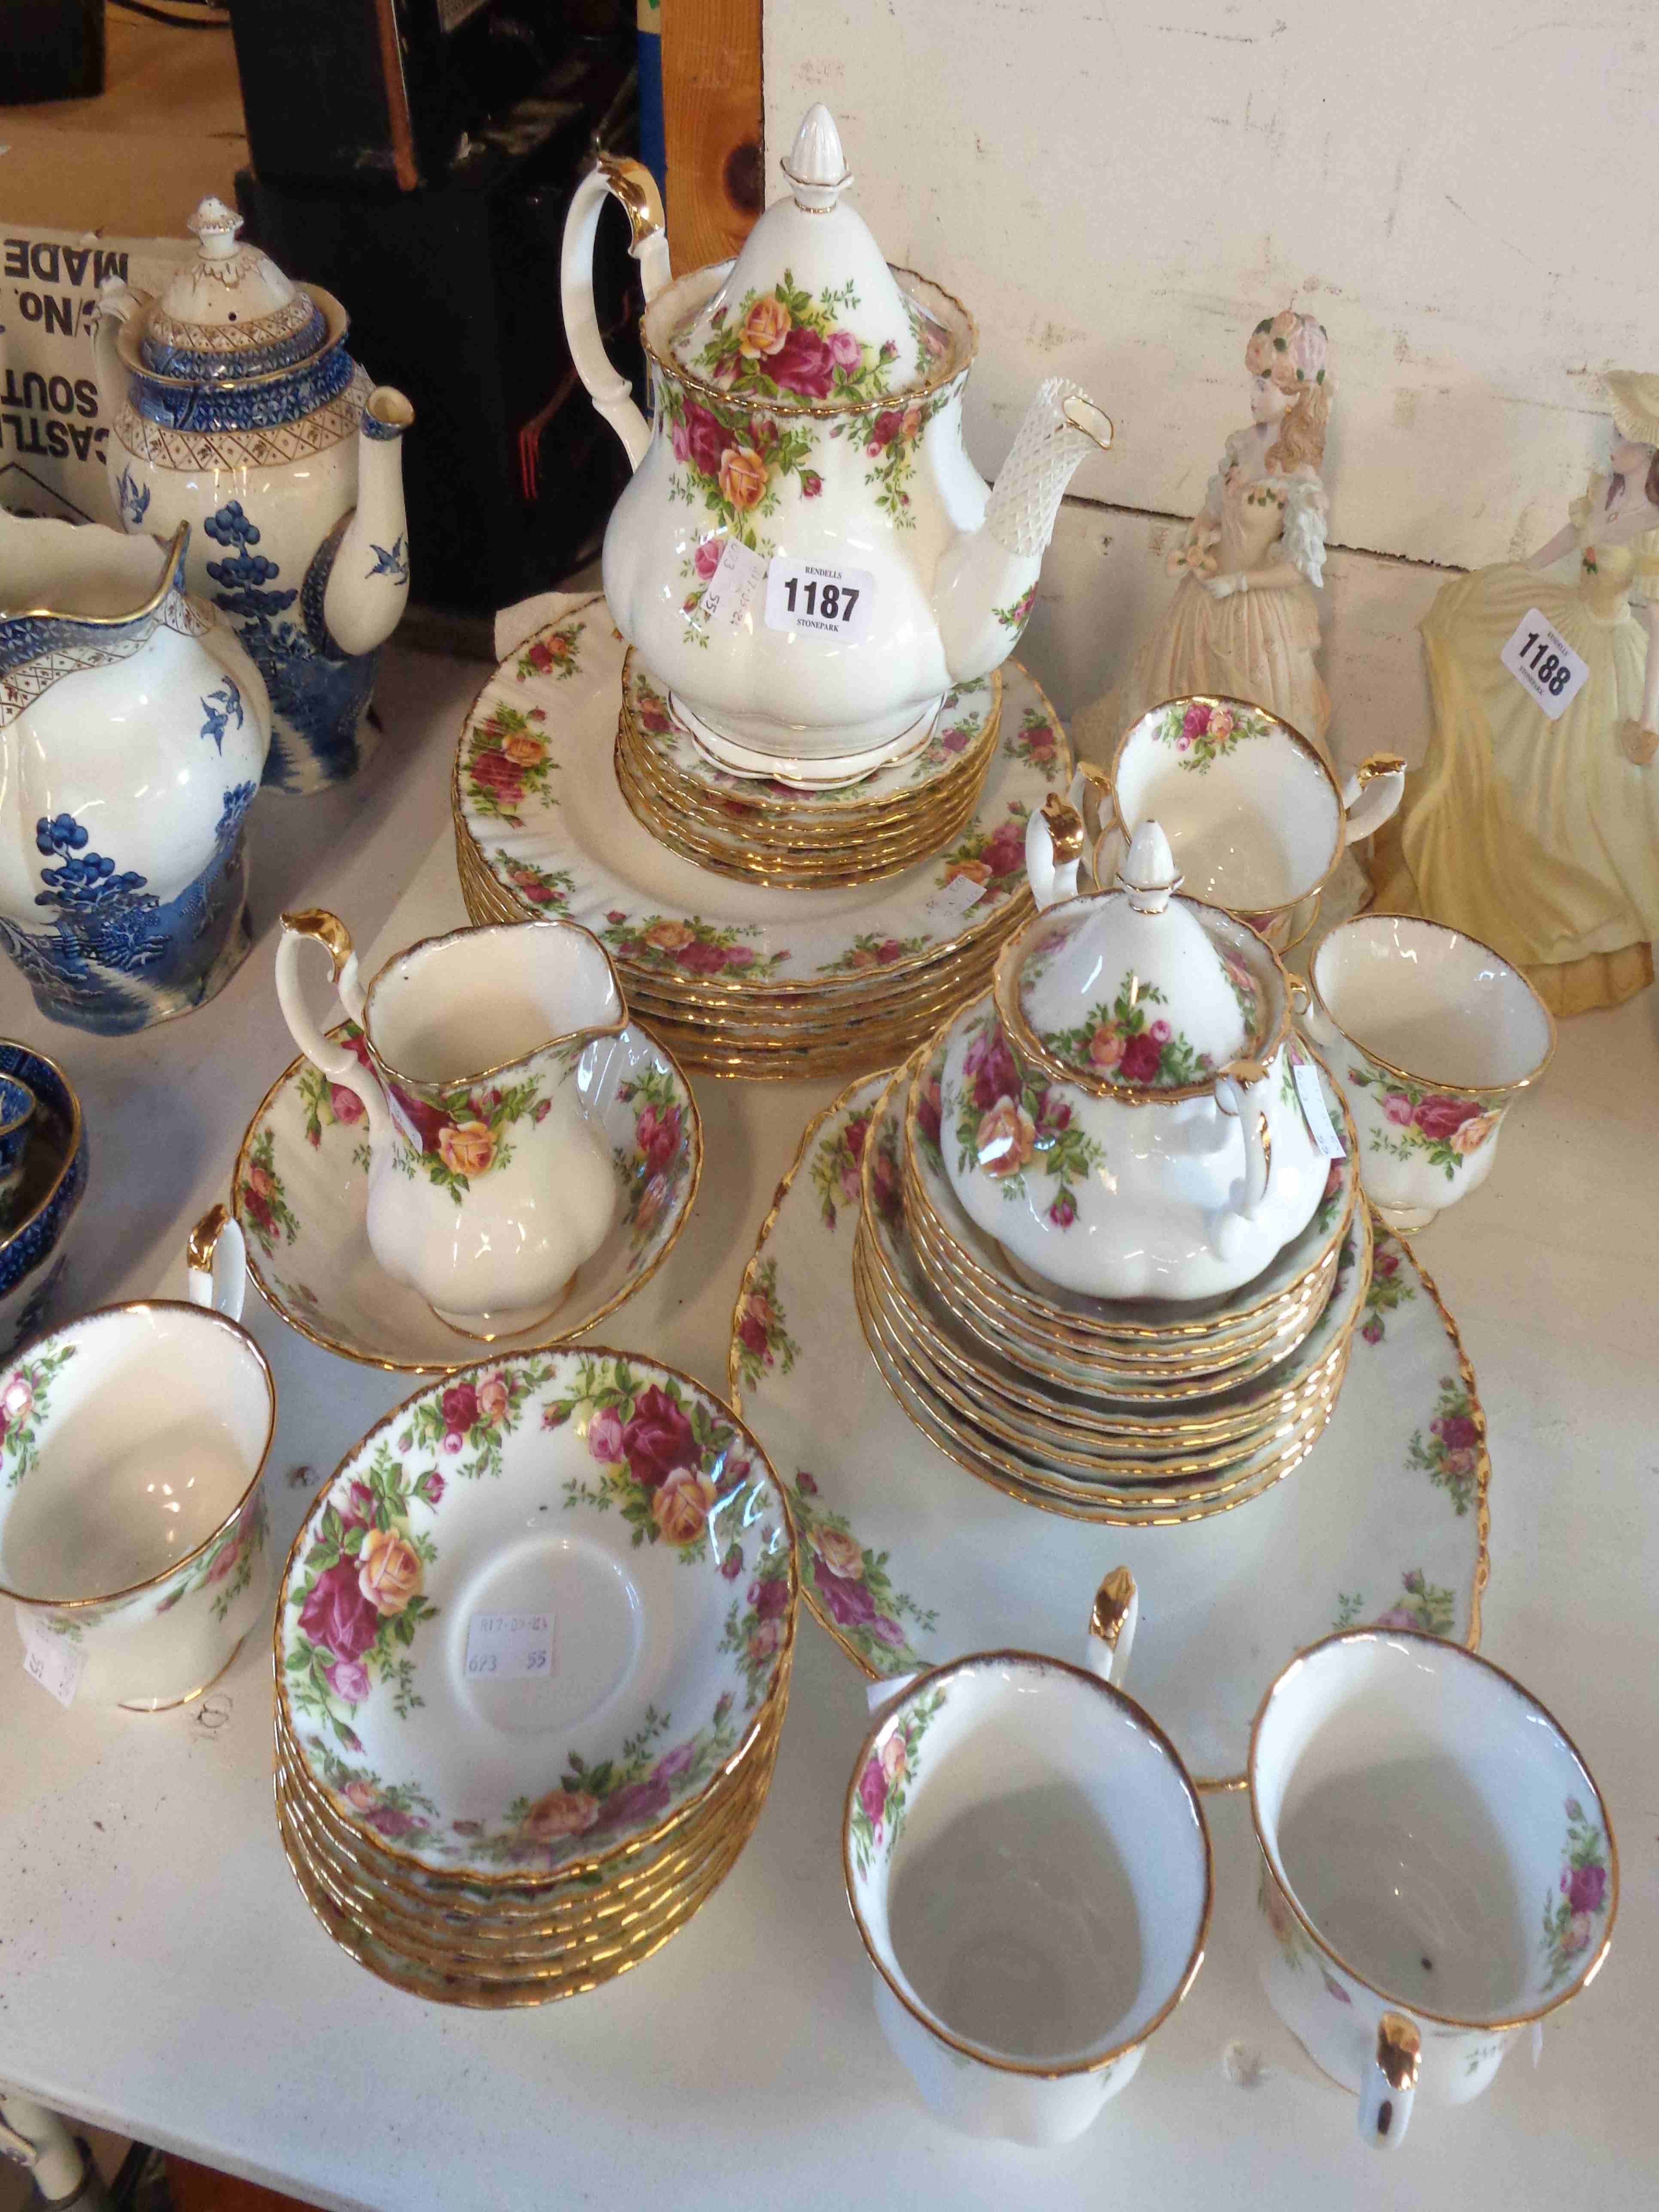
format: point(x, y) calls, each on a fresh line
point(515, 1754)
point(1116, 1411)
point(804, 839)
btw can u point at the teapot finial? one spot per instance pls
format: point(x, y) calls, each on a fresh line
point(1148, 872)
point(215, 225)
point(815, 164)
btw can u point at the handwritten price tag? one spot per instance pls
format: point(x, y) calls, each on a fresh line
point(1544, 665)
point(1320, 1127)
point(508, 1647)
point(833, 601)
point(733, 586)
point(949, 907)
point(52, 1660)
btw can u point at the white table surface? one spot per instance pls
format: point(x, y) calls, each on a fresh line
point(161, 1974)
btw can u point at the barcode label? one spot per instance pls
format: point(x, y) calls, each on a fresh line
point(52, 1660)
point(1315, 1112)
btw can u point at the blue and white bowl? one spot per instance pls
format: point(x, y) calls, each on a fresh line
point(43, 1205)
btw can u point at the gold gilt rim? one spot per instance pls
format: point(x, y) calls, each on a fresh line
point(174, 554)
point(914, 1013)
point(976, 1663)
point(72, 1151)
point(957, 362)
point(1301, 743)
point(1435, 1082)
point(693, 1122)
point(478, 1877)
point(1258, 1049)
point(1422, 2011)
point(938, 1044)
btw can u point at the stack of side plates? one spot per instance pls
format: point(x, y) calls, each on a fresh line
point(772, 833)
point(1109, 1410)
point(735, 977)
point(533, 1650)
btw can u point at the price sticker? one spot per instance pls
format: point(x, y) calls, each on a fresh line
point(1320, 1127)
point(509, 1647)
point(732, 587)
point(831, 602)
point(954, 902)
point(52, 1659)
point(1544, 665)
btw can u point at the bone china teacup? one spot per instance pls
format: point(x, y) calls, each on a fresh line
point(1030, 1870)
point(1431, 1035)
point(1438, 1872)
point(132, 1448)
point(487, 1188)
point(1255, 818)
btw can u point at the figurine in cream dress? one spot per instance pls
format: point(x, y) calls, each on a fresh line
point(1541, 838)
point(1245, 621)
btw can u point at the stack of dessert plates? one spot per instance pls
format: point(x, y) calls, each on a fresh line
point(1108, 1410)
point(806, 839)
point(532, 1650)
point(740, 979)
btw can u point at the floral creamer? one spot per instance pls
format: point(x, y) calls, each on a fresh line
point(487, 1186)
point(805, 446)
point(133, 730)
point(235, 407)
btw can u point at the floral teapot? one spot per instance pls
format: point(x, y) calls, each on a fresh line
point(487, 1186)
point(806, 557)
point(234, 406)
point(1156, 1027)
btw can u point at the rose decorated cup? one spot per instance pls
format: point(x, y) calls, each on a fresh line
point(1256, 820)
point(132, 1448)
point(1431, 1035)
point(1029, 1868)
point(1438, 1871)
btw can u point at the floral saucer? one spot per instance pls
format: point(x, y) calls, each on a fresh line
point(300, 1195)
point(906, 1565)
point(614, 1510)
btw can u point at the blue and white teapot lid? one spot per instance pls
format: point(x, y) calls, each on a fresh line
point(230, 316)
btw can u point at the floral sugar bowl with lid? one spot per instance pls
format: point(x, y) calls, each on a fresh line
point(805, 556)
point(1139, 1041)
point(235, 407)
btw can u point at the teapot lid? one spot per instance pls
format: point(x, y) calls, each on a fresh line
point(810, 311)
point(1138, 994)
point(230, 316)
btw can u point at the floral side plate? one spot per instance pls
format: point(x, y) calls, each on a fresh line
point(300, 1194)
point(906, 1565)
point(639, 1537)
point(536, 797)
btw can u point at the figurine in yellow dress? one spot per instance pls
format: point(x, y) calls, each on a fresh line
point(1541, 837)
point(1245, 621)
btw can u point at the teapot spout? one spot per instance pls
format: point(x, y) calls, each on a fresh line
point(988, 579)
point(367, 582)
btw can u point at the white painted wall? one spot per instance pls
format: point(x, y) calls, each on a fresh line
point(1458, 188)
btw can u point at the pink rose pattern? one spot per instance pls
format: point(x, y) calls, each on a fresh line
point(1203, 731)
point(1011, 1124)
point(888, 1776)
point(850, 1590)
point(1421, 1123)
point(1575, 1911)
point(1453, 1452)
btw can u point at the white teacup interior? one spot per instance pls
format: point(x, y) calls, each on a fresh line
point(1432, 1002)
point(1045, 1898)
point(154, 1427)
point(1417, 1807)
point(1252, 830)
point(465, 1005)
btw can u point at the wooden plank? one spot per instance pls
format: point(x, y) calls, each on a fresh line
point(711, 97)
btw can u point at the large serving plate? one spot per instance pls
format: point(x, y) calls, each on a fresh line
point(536, 799)
point(300, 1193)
point(611, 1493)
point(906, 1563)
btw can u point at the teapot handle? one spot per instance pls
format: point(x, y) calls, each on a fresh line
point(1054, 839)
point(1373, 793)
point(634, 185)
point(337, 1061)
point(1232, 1094)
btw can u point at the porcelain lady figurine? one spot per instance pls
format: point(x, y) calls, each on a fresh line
point(133, 729)
point(234, 406)
point(1540, 836)
point(1243, 622)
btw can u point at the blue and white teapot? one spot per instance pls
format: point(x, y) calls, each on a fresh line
point(234, 406)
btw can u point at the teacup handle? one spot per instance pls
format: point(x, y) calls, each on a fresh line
point(216, 1258)
point(1112, 1622)
point(1054, 839)
point(1372, 793)
point(1389, 2087)
point(341, 1065)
